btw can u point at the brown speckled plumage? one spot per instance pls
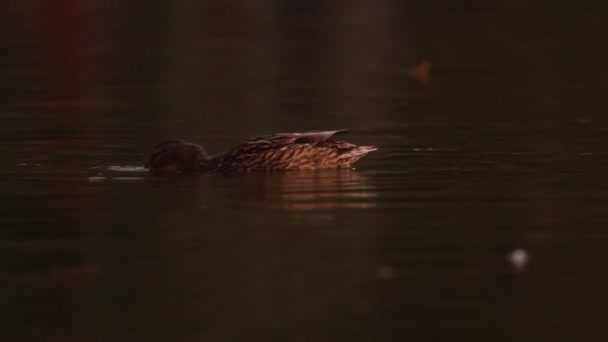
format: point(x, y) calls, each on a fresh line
point(282, 151)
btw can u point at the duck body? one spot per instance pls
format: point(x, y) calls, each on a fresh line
point(281, 151)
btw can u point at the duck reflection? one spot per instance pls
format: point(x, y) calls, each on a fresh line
point(312, 190)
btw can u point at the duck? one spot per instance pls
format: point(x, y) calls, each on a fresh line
point(309, 150)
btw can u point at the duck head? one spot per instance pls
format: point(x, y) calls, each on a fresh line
point(177, 155)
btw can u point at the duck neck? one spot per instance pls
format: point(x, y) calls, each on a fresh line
point(210, 164)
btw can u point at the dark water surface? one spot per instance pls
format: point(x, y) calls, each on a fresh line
point(503, 147)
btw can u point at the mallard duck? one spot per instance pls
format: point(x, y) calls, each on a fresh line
point(281, 151)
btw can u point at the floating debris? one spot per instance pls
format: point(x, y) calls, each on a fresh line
point(420, 72)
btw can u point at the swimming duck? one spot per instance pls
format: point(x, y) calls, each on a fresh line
point(281, 151)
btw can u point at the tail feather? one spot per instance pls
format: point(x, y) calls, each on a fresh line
point(358, 151)
point(314, 137)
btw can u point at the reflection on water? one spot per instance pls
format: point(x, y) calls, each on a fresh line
point(313, 190)
point(292, 190)
point(482, 217)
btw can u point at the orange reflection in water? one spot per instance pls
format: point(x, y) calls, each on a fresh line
point(314, 190)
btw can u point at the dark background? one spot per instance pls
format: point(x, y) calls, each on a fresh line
point(501, 146)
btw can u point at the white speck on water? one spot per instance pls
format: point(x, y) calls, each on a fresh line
point(518, 258)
